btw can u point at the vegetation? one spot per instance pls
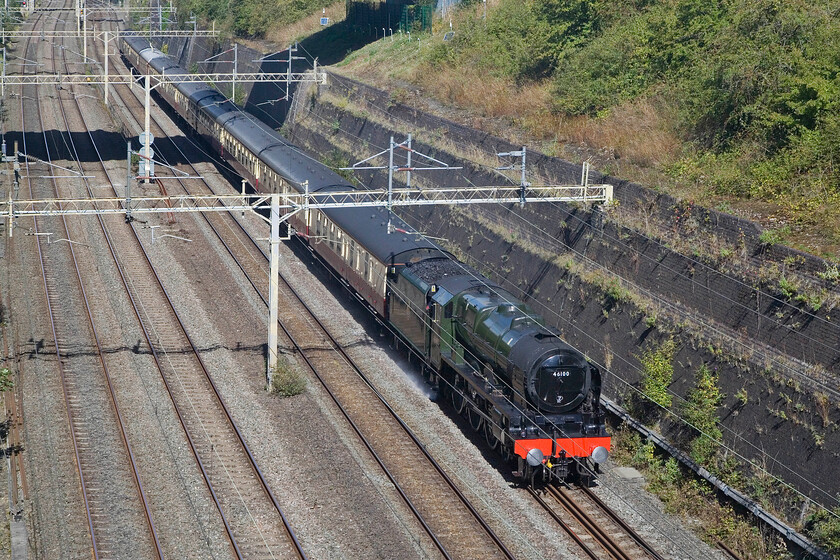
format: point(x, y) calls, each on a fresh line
point(287, 380)
point(249, 18)
point(689, 497)
point(6, 382)
point(824, 527)
point(700, 411)
point(729, 103)
point(337, 161)
point(658, 371)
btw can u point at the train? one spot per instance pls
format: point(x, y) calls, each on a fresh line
point(535, 398)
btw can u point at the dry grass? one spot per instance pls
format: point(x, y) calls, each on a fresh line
point(284, 36)
point(822, 406)
point(487, 95)
point(640, 131)
point(637, 136)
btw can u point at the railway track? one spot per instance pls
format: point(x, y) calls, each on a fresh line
point(455, 527)
point(14, 417)
point(255, 524)
point(592, 525)
point(253, 519)
point(213, 438)
point(320, 350)
point(105, 463)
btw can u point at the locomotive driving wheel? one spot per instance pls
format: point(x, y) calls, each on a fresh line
point(489, 437)
point(457, 399)
point(475, 418)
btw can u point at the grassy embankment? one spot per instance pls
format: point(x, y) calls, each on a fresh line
point(731, 105)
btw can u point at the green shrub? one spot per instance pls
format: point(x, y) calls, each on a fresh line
point(774, 236)
point(787, 287)
point(336, 160)
point(700, 410)
point(614, 293)
point(824, 528)
point(658, 371)
point(6, 382)
point(287, 380)
point(831, 273)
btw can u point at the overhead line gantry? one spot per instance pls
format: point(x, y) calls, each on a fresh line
point(293, 202)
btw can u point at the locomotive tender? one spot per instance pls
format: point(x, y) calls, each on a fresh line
point(533, 396)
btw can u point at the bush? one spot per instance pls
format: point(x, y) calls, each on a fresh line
point(287, 380)
point(774, 236)
point(658, 371)
point(614, 294)
point(6, 382)
point(824, 528)
point(700, 410)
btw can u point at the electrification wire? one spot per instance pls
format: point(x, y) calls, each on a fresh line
point(457, 390)
point(724, 334)
point(313, 159)
point(654, 240)
point(694, 261)
point(635, 388)
point(760, 451)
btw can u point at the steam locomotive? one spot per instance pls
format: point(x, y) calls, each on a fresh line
point(535, 398)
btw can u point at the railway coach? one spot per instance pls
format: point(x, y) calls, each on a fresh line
point(535, 399)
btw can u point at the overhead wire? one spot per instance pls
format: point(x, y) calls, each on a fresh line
point(679, 397)
point(545, 433)
point(589, 225)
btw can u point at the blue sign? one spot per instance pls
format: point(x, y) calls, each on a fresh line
point(325, 21)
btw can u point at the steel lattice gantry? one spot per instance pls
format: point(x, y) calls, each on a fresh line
point(18, 34)
point(223, 77)
point(292, 203)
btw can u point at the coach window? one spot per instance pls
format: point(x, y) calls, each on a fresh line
point(367, 267)
point(352, 256)
point(342, 250)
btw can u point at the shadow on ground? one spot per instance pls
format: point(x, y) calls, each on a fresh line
point(332, 44)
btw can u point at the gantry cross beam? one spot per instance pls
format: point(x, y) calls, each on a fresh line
point(218, 77)
point(17, 34)
point(291, 203)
